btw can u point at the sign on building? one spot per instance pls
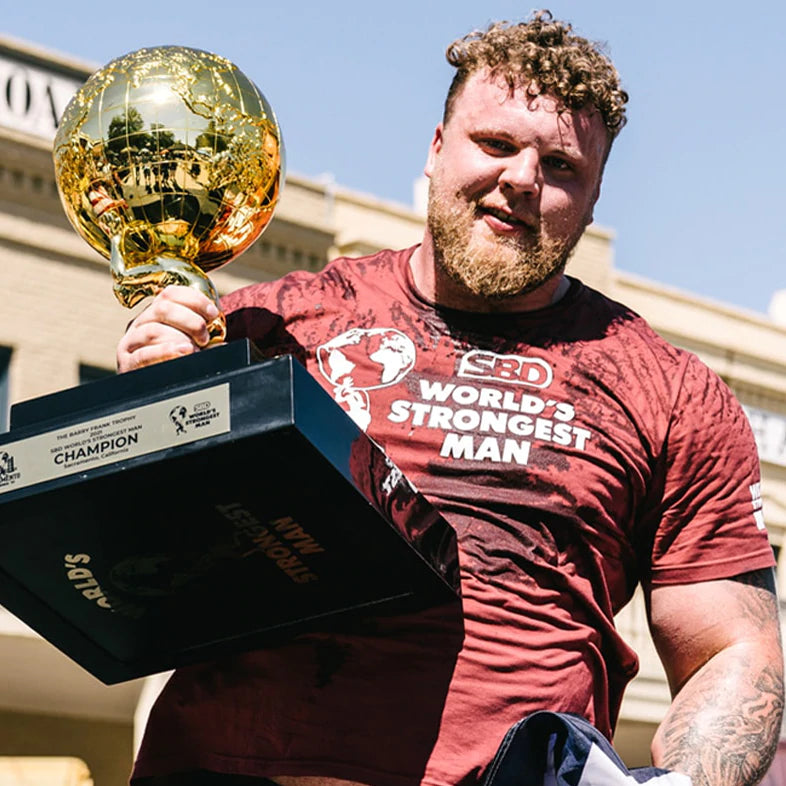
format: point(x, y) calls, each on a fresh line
point(32, 99)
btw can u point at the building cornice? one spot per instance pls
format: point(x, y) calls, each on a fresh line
point(47, 59)
point(684, 317)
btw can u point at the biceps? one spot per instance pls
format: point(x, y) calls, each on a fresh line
point(691, 623)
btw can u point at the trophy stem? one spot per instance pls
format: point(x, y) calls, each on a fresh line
point(138, 280)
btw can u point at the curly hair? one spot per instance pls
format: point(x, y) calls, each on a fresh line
point(543, 56)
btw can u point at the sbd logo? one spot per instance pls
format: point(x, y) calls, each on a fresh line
point(515, 369)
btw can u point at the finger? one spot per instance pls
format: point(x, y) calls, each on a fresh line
point(169, 324)
point(191, 298)
point(181, 308)
point(150, 355)
point(151, 333)
point(152, 342)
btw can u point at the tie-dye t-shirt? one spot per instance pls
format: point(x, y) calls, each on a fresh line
point(574, 452)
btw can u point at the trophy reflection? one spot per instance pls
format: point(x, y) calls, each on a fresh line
point(169, 162)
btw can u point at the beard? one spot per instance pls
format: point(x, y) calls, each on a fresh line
point(494, 268)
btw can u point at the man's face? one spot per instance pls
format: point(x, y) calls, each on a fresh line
point(513, 185)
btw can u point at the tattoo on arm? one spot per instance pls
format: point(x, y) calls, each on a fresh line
point(735, 744)
point(724, 724)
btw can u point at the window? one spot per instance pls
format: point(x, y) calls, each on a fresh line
point(5, 360)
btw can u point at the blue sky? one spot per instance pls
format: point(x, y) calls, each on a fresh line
point(695, 189)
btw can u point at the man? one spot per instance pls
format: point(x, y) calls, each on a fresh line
point(574, 452)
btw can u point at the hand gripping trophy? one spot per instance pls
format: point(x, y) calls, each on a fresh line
point(169, 161)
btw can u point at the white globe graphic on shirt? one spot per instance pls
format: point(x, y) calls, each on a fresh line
point(366, 359)
point(362, 359)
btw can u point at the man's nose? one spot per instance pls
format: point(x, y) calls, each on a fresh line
point(522, 173)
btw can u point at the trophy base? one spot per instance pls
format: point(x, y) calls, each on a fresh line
point(204, 506)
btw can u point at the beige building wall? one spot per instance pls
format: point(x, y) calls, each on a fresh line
point(58, 313)
point(51, 749)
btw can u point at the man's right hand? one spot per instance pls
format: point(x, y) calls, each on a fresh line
point(174, 324)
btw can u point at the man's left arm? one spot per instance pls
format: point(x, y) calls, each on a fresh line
point(720, 645)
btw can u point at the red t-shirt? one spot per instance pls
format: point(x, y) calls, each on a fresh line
point(575, 453)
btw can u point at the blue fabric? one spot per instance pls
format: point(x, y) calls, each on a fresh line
point(558, 749)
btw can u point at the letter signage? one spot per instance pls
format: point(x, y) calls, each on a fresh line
point(32, 99)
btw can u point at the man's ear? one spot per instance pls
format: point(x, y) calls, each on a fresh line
point(433, 150)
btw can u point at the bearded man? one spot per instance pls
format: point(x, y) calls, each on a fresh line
point(623, 461)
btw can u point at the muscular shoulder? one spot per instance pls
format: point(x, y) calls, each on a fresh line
point(265, 311)
point(607, 321)
point(625, 342)
point(301, 289)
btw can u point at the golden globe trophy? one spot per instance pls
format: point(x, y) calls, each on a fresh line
point(169, 161)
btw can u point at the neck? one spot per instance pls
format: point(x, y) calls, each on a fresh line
point(440, 289)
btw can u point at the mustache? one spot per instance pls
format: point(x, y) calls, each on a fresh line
point(525, 216)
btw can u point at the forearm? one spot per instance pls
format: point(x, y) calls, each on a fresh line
point(723, 726)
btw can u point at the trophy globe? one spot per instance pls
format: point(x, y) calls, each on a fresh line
point(169, 162)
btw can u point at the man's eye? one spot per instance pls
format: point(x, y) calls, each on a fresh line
point(558, 164)
point(498, 146)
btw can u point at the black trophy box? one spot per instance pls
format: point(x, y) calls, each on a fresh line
point(203, 506)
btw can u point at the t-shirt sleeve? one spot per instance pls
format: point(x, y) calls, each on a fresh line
point(278, 316)
point(248, 313)
point(256, 312)
point(709, 523)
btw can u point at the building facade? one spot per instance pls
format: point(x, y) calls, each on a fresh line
point(59, 326)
